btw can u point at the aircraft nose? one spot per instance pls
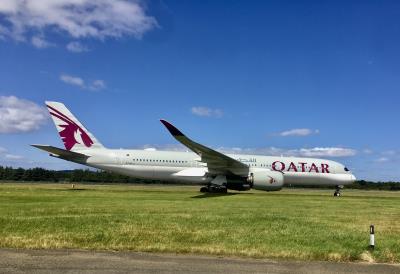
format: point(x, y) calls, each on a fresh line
point(352, 178)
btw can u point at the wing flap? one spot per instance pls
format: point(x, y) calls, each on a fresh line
point(191, 172)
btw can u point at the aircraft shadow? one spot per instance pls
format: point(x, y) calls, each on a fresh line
point(76, 189)
point(213, 195)
point(68, 189)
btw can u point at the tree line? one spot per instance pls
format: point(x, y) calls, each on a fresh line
point(98, 176)
point(78, 175)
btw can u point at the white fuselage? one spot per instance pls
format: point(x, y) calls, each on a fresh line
point(186, 166)
point(203, 165)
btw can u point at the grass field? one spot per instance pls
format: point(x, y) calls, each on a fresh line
point(293, 223)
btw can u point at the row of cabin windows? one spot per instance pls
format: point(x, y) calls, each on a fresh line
point(261, 165)
point(160, 161)
point(185, 162)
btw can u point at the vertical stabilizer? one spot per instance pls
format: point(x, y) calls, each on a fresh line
point(74, 135)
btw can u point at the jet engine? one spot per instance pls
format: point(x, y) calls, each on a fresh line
point(265, 179)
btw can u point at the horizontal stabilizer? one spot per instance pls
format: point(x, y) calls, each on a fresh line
point(62, 153)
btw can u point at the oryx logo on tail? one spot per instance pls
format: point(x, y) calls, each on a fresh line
point(71, 133)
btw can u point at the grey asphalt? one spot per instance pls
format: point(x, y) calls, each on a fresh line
point(75, 261)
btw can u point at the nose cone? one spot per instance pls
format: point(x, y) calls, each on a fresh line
point(352, 178)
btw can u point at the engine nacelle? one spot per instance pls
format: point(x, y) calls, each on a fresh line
point(265, 179)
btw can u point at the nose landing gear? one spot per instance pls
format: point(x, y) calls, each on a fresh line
point(337, 192)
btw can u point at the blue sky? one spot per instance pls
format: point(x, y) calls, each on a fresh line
point(272, 77)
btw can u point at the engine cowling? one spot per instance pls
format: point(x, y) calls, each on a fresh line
point(265, 179)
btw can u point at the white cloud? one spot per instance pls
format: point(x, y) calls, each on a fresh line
point(169, 147)
point(382, 160)
point(76, 47)
point(20, 115)
point(13, 157)
point(270, 151)
point(72, 80)
point(301, 152)
point(40, 43)
point(97, 84)
point(7, 156)
point(327, 152)
point(9, 6)
point(298, 132)
point(367, 151)
point(98, 19)
point(79, 82)
point(389, 152)
point(207, 112)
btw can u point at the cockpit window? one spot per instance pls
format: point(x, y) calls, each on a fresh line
point(346, 169)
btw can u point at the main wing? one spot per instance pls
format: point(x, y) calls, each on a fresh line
point(217, 162)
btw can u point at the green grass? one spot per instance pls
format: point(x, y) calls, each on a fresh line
point(293, 223)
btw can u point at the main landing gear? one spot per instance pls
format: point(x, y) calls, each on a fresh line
point(337, 192)
point(217, 185)
point(213, 189)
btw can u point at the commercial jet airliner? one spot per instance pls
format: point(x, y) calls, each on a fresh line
point(216, 171)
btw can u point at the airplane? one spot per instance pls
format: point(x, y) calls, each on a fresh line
point(215, 171)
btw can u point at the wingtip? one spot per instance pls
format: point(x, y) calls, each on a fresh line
point(171, 128)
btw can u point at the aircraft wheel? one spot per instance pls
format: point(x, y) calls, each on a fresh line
point(337, 194)
point(204, 189)
point(337, 191)
point(221, 190)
